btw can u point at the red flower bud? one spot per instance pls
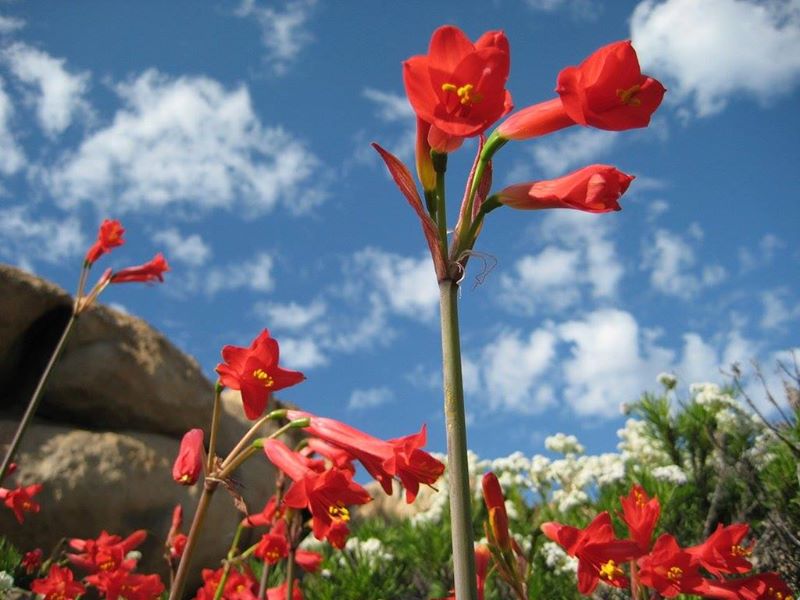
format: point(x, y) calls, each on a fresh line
point(189, 463)
point(108, 236)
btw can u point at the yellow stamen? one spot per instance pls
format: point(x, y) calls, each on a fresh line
point(339, 513)
point(675, 573)
point(610, 571)
point(628, 96)
point(639, 496)
point(465, 93)
point(737, 550)
point(264, 378)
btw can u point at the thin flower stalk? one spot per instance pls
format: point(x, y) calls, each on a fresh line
point(226, 569)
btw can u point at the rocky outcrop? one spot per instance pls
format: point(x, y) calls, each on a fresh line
point(109, 426)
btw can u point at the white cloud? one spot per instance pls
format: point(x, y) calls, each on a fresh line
point(551, 279)
point(768, 246)
point(369, 398)
point(25, 238)
point(778, 309)
point(511, 369)
point(582, 9)
point(672, 260)
point(60, 93)
point(710, 51)
point(284, 32)
point(408, 285)
point(611, 361)
point(10, 24)
point(391, 107)
point(574, 148)
point(254, 274)
point(302, 353)
point(12, 159)
point(190, 250)
point(188, 143)
point(291, 316)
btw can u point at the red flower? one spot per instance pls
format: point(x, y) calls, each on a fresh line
point(534, 121)
point(307, 560)
point(598, 552)
point(189, 462)
point(326, 495)
point(670, 569)
point(124, 585)
point(341, 459)
point(239, 586)
point(272, 547)
point(176, 541)
point(459, 87)
point(32, 561)
point(108, 236)
point(608, 90)
point(482, 557)
point(106, 553)
point(20, 500)
point(401, 457)
point(265, 517)
point(279, 593)
point(640, 514)
point(722, 552)
point(764, 586)
point(594, 189)
point(150, 271)
point(496, 505)
point(59, 584)
point(255, 372)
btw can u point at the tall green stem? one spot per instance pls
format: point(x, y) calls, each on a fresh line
point(457, 466)
point(212, 442)
point(227, 568)
point(33, 403)
point(290, 575)
point(176, 592)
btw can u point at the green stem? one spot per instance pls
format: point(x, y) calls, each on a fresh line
point(289, 575)
point(212, 442)
point(36, 397)
point(227, 568)
point(275, 414)
point(457, 465)
point(262, 584)
point(176, 592)
point(237, 460)
point(493, 144)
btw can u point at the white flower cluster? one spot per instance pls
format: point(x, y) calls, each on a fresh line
point(564, 444)
point(760, 453)
point(370, 551)
point(6, 581)
point(668, 380)
point(558, 560)
point(638, 447)
point(709, 394)
point(671, 473)
point(567, 499)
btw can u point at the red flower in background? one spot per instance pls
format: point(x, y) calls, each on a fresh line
point(189, 462)
point(109, 236)
point(722, 552)
point(764, 586)
point(608, 90)
point(150, 271)
point(640, 514)
point(307, 560)
point(272, 547)
point(482, 557)
point(239, 586)
point(106, 553)
point(496, 505)
point(255, 372)
point(265, 517)
point(32, 561)
point(593, 189)
point(20, 500)
point(326, 495)
point(279, 593)
point(459, 87)
point(124, 585)
point(59, 584)
point(670, 570)
point(598, 552)
point(176, 541)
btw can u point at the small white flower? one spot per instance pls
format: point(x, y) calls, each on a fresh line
point(6, 581)
point(668, 380)
point(672, 473)
point(563, 444)
point(558, 560)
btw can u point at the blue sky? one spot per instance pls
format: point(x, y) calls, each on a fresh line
point(235, 138)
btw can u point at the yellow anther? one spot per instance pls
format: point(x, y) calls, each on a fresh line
point(610, 571)
point(465, 93)
point(264, 378)
point(449, 87)
point(674, 573)
point(339, 513)
point(639, 496)
point(737, 550)
point(628, 96)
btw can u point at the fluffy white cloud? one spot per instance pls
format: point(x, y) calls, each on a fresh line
point(778, 309)
point(550, 279)
point(302, 353)
point(611, 361)
point(710, 51)
point(187, 143)
point(574, 148)
point(12, 158)
point(672, 261)
point(59, 97)
point(582, 9)
point(393, 109)
point(291, 316)
point(24, 238)
point(284, 30)
point(254, 274)
point(512, 367)
point(370, 398)
point(190, 249)
point(10, 24)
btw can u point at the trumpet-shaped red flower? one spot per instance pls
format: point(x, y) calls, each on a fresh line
point(593, 189)
point(338, 457)
point(150, 271)
point(189, 462)
point(176, 541)
point(31, 561)
point(109, 236)
point(272, 547)
point(459, 87)
point(124, 585)
point(640, 514)
point(239, 586)
point(106, 553)
point(534, 121)
point(400, 457)
point(764, 586)
point(266, 517)
point(20, 500)
point(670, 570)
point(722, 552)
point(59, 584)
point(255, 372)
point(326, 495)
point(496, 505)
point(600, 555)
point(279, 593)
point(608, 90)
point(307, 560)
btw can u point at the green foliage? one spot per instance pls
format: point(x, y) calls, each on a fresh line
point(10, 557)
